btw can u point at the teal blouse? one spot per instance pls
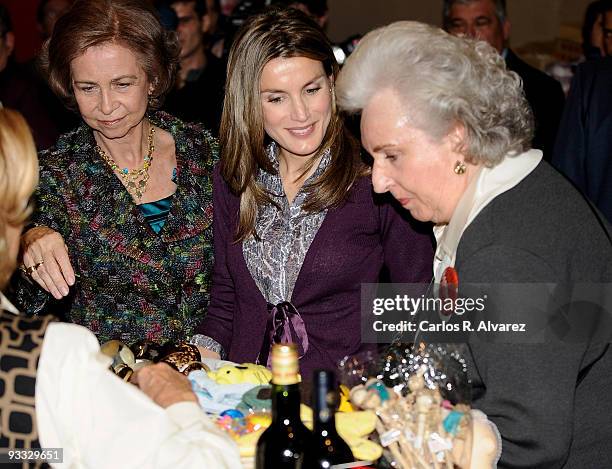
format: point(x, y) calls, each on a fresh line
point(156, 213)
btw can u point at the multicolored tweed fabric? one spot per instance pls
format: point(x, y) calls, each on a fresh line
point(131, 283)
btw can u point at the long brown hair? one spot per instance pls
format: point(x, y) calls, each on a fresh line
point(278, 33)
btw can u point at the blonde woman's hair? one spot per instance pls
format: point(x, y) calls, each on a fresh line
point(18, 179)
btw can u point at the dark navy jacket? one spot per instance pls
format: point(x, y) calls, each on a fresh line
point(583, 151)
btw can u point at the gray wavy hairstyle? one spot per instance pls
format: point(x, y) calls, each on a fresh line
point(443, 81)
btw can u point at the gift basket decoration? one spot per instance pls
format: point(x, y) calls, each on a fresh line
point(421, 396)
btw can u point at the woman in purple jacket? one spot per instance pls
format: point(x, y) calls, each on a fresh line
point(297, 229)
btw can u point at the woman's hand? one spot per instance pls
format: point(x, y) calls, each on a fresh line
point(164, 385)
point(46, 261)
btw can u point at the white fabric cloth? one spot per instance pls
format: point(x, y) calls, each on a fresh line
point(488, 184)
point(101, 421)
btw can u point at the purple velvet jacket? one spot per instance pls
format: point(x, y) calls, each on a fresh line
point(351, 247)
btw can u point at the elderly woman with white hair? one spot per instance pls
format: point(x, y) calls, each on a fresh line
point(449, 128)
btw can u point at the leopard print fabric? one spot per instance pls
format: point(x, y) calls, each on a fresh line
point(21, 341)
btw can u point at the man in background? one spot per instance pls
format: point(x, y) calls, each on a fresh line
point(487, 20)
point(583, 151)
point(198, 93)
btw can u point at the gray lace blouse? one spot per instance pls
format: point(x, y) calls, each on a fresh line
point(285, 235)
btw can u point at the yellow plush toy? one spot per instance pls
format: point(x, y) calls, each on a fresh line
point(354, 428)
point(237, 374)
point(345, 400)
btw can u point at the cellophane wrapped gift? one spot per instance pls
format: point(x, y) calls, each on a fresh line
point(421, 396)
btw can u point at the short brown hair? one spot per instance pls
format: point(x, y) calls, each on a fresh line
point(18, 179)
point(132, 23)
point(277, 33)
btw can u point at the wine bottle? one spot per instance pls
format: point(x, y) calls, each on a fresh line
point(282, 444)
point(326, 448)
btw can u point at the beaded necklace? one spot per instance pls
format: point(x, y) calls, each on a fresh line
point(130, 177)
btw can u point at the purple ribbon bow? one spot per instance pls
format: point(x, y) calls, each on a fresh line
point(285, 326)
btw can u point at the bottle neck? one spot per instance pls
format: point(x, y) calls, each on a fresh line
point(285, 402)
point(324, 419)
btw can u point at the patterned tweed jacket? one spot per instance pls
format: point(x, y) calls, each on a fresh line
point(131, 283)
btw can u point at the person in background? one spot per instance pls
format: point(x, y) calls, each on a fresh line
point(214, 38)
point(18, 88)
point(487, 20)
point(583, 151)
point(592, 46)
point(450, 132)
point(122, 228)
point(198, 93)
point(216, 35)
point(227, 6)
point(606, 24)
point(92, 414)
point(592, 31)
point(317, 9)
point(48, 12)
point(296, 227)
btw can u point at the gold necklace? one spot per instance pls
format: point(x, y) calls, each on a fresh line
point(135, 180)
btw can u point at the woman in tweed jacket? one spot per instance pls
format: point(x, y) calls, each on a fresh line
point(126, 243)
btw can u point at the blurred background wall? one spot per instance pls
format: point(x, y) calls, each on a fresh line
point(23, 15)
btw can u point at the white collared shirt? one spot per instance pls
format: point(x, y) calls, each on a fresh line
point(102, 422)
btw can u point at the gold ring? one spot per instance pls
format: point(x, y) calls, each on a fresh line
point(30, 270)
